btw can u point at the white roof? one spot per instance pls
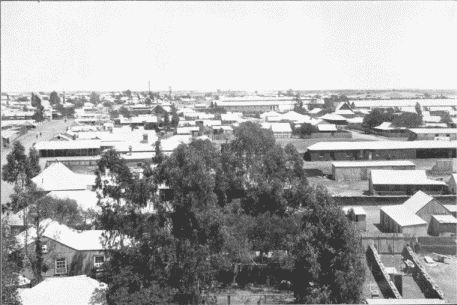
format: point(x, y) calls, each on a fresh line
point(270, 114)
point(231, 116)
point(315, 110)
point(355, 120)
point(451, 207)
point(402, 216)
point(187, 130)
point(402, 177)
point(333, 117)
point(223, 127)
point(357, 210)
point(85, 199)
point(78, 240)
point(71, 290)
point(58, 177)
point(387, 126)
point(433, 130)
point(381, 145)
point(294, 116)
point(445, 218)
point(374, 163)
point(172, 142)
point(405, 103)
point(277, 127)
point(327, 127)
point(417, 201)
point(77, 144)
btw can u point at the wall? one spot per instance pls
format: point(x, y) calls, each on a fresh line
point(442, 244)
point(361, 173)
point(387, 243)
point(386, 200)
point(432, 208)
point(428, 286)
point(385, 284)
point(326, 135)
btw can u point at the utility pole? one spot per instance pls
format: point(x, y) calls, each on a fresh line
point(149, 85)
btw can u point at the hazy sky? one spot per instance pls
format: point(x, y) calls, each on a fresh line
point(229, 45)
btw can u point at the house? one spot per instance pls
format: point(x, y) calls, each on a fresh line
point(386, 129)
point(380, 150)
point(443, 225)
point(189, 130)
point(66, 251)
point(403, 182)
point(294, 117)
point(68, 290)
point(334, 118)
point(425, 206)
point(271, 116)
point(360, 170)
point(231, 117)
point(344, 110)
point(445, 134)
point(359, 216)
point(398, 219)
point(414, 216)
point(58, 177)
point(280, 130)
point(452, 209)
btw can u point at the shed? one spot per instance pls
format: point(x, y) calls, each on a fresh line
point(403, 182)
point(443, 225)
point(425, 206)
point(280, 130)
point(360, 170)
point(452, 208)
point(398, 219)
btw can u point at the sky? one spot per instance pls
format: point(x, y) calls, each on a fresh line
point(109, 46)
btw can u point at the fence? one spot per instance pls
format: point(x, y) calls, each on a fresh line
point(386, 200)
point(380, 274)
point(439, 244)
point(426, 283)
point(388, 243)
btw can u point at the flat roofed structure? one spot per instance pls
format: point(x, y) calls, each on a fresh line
point(452, 208)
point(443, 225)
point(359, 170)
point(403, 182)
point(380, 150)
point(449, 134)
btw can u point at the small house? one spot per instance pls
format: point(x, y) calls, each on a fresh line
point(357, 215)
point(452, 184)
point(398, 219)
point(443, 225)
point(360, 170)
point(280, 130)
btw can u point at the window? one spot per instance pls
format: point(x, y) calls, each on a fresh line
point(98, 261)
point(44, 249)
point(61, 266)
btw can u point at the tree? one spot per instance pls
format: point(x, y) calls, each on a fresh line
point(128, 93)
point(148, 101)
point(418, 109)
point(306, 129)
point(125, 112)
point(446, 118)
point(174, 116)
point(158, 156)
point(36, 102)
point(94, 98)
point(376, 117)
point(407, 119)
point(327, 255)
point(54, 99)
point(11, 266)
point(20, 168)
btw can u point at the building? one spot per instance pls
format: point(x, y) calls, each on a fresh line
point(47, 149)
point(256, 104)
point(443, 225)
point(344, 110)
point(398, 219)
point(403, 182)
point(57, 177)
point(280, 130)
point(359, 217)
point(380, 150)
point(188, 130)
point(66, 251)
point(360, 170)
point(425, 206)
point(452, 209)
point(445, 134)
point(386, 129)
point(70, 290)
point(334, 118)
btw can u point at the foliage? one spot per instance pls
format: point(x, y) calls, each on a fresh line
point(305, 130)
point(407, 119)
point(11, 266)
point(54, 98)
point(94, 98)
point(446, 118)
point(125, 112)
point(158, 156)
point(418, 109)
point(377, 116)
point(327, 255)
point(174, 116)
point(20, 168)
point(36, 102)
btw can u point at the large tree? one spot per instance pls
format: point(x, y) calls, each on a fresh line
point(54, 99)
point(377, 116)
point(11, 266)
point(407, 119)
point(327, 254)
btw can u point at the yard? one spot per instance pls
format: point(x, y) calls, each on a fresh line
point(444, 274)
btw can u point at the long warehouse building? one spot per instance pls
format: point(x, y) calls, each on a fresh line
point(380, 150)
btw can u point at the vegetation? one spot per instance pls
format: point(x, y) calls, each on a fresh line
point(36, 102)
point(377, 116)
point(226, 204)
point(94, 98)
point(407, 119)
point(11, 265)
point(305, 130)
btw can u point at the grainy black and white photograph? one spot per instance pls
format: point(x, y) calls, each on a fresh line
point(228, 153)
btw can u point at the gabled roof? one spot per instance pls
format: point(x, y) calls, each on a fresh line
point(294, 117)
point(58, 177)
point(387, 126)
point(69, 290)
point(343, 108)
point(78, 240)
point(326, 127)
point(277, 127)
point(85, 199)
point(417, 201)
point(333, 117)
point(269, 114)
point(402, 216)
point(445, 218)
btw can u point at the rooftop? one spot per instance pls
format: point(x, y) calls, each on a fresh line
point(445, 218)
point(402, 216)
point(381, 145)
point(433, 130)
point(402, 177)
point(58, 177)
point(417, 201)
point(374, 163)
point(78, 144)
